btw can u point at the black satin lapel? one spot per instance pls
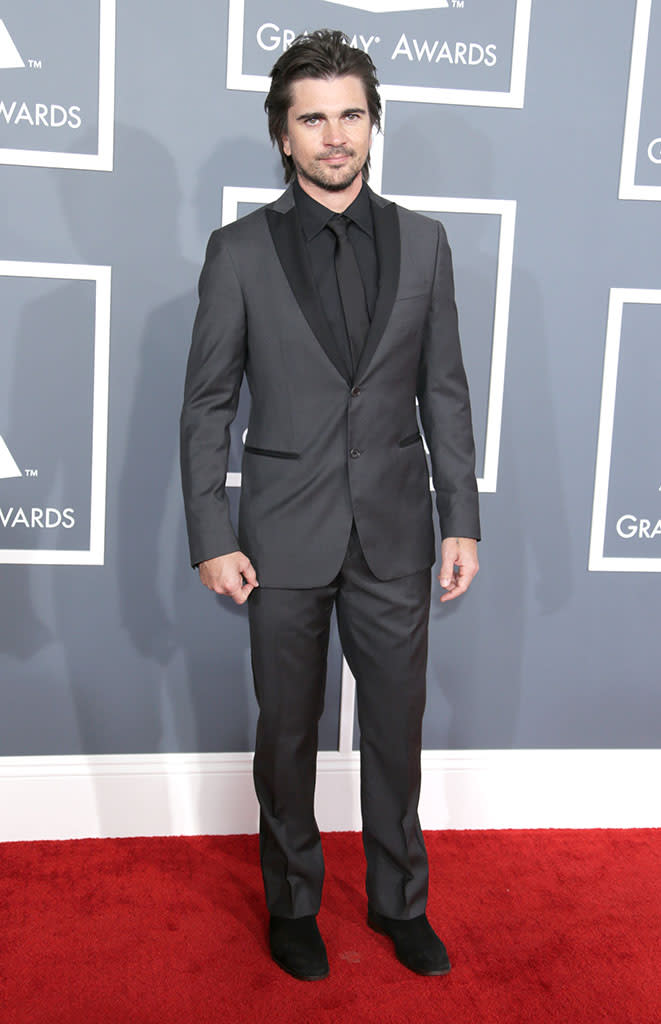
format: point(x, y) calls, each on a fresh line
point(285, 232)
point(388, 248)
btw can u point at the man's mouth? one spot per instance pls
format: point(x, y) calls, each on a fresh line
point(335, 158)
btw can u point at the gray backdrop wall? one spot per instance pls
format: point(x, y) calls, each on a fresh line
point(557, 644)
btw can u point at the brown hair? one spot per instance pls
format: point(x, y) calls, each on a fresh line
point(322, 54)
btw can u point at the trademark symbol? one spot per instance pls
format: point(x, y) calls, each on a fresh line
point(457, 3)
point(32, 472)
point(35, 65)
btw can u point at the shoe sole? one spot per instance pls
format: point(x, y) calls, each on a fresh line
point(425, 974)
point(297, 974)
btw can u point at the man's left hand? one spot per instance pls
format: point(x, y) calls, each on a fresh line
point(459, 566)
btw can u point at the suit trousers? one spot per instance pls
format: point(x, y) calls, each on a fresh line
point(383, 628)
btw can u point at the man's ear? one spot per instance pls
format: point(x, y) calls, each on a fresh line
point(286, 148)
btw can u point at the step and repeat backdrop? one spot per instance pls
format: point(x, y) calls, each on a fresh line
point(128, 131)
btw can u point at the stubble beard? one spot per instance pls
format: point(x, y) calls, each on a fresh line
point(323, 177)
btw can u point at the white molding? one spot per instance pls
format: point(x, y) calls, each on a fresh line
point(506, 210)
point(512, 98)
point(628, 187)
point(347, 709)
point(102, 160)
point(597, 561)
point(101, 276)
point(235, 194)
point(391, 6)
point(200, 794)
point(377, 149)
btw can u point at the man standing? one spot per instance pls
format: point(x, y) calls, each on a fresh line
point(339, 308)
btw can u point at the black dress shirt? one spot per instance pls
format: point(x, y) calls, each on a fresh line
point(319, 243)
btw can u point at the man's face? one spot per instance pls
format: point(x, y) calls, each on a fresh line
point(328, 131)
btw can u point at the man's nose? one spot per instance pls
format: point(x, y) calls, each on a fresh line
point(334, 134)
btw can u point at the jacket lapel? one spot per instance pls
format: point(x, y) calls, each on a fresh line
point(286, 234)
point(388, 249)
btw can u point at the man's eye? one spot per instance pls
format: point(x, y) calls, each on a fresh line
point(312, 121)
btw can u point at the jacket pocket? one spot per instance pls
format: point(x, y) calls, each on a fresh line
point(271, 453)
point(410, 439)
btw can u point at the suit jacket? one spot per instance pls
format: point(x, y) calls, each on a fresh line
point(324, 446)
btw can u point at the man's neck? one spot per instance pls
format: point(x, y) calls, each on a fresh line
point(338, 202)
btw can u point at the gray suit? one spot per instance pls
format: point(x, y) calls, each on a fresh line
point(335, 510)
point(323, 449)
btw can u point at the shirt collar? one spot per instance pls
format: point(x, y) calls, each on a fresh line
point(314, 216)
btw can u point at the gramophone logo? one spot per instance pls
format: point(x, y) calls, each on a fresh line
point(53, 425)
point(8, 465)
point(9, 55)
point(57, 77)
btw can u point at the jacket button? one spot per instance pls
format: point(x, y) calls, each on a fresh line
point(354, 453)
point(355, 392)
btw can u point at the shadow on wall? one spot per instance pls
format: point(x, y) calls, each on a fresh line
point(139, 657)
point(240, 162)
point(148, 653)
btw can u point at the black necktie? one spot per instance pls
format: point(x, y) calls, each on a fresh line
point(350, 284)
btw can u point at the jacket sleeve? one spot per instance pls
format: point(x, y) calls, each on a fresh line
point(211, 396)
point(445, 406)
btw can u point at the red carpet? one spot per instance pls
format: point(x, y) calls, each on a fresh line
point(561, 926)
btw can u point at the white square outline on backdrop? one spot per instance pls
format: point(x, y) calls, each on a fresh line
point(102, 278)
point(631, 139)
point(597, 561)
point(102, 160)
point(514, 97)
point(503, 208)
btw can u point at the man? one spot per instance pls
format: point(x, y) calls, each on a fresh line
point(339, 308)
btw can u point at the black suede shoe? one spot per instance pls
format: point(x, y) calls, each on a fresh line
point(417, 945)
point(298, 948)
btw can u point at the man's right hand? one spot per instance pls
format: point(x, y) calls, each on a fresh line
point(231, 574)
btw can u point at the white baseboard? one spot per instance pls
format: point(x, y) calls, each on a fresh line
point(212, 794)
